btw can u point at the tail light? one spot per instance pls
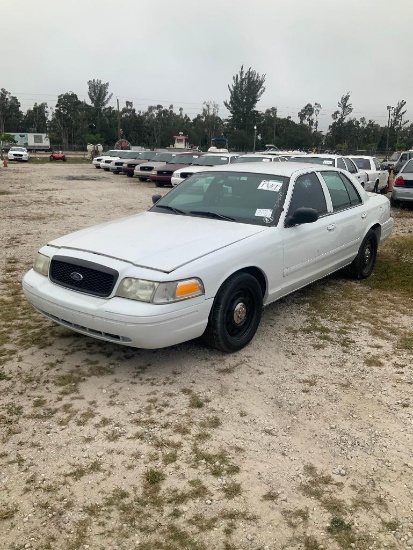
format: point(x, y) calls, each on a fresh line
point(399, 182)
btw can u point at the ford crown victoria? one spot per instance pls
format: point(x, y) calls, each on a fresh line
point(242, 236)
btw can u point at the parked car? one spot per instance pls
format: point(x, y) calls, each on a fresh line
point(377, 174)
point(403, 185)
point(113, 153)
point(161, 175)
point(257, 157)
point(106, 162)
point(129, 166)
point(242, 236)
point(58, 155)
point(401, 161)
point(117, 164)
point(336, 161)
point(201, 164)
point(18, 153)
point(143, 171)
point(389, 163)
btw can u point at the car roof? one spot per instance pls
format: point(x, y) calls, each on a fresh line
point(286, 169)
point(319, 155)
point(361, 157)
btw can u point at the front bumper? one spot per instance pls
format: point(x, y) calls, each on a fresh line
point(118, 320)
point(160, 179)
point(176, 181)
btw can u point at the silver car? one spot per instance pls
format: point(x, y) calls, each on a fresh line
point(403, 185)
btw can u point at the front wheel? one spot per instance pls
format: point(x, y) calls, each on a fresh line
point(363, 264)
point(159, 184)
point(236, 314)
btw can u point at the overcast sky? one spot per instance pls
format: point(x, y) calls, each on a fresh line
point(186, 52)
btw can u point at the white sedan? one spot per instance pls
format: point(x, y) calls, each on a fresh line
point(377, 176)
point(112, 154)
point(18, 153)
point(241, 237)
point(201, 164)
point(336, 161)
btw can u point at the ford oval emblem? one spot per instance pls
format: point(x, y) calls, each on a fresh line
point(76, 276)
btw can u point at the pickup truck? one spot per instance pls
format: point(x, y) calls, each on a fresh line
point(378, 176)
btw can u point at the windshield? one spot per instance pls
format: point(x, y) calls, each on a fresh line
point(132, 155)
point(364, 164)
point(211, 160)
point(18, 149)
point(241, 197)
point(183, 159)
point(254, 158)
point(395, 156)
point(163, 157)
point(408, 167)
point(111, 154)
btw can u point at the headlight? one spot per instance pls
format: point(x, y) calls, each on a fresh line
point(154, 172)
point(159, 293)
point(41, 264)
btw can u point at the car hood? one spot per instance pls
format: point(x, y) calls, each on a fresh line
point(151, 163)
point(158, 241)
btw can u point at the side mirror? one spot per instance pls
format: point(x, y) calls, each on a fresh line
point(155, 198)
point(302, 215)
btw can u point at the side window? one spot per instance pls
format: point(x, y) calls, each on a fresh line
point(308, 193)
point(341, 164)
point(404, 157)
point(376, 164)
point(341, 190)
point(350, 166)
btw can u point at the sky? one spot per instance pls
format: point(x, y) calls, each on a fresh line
point(186, 52)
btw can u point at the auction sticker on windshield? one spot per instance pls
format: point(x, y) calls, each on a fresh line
point(263, 212)
point(270, 185)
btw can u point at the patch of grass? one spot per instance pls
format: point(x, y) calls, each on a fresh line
point(153, 476)
point(271, 495)
point(394, 267)
point(82, 471)
point(406, 342)
point(295, 517)
point(232, 490)
point(391, 525)
point(210, 422)
point(373, 361)
point(219, 463)
point(7, 511)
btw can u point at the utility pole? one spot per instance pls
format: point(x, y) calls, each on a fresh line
point(389, 108)
point(117, 100)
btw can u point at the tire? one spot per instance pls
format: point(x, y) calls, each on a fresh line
point(235, 314)
point(129, 175)
point(142, 179)
point(363, 264)
point(159, 184)
point(394, 203)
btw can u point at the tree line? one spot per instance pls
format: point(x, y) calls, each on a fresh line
point(73, 123)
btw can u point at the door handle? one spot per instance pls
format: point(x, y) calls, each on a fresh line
point(331, 227)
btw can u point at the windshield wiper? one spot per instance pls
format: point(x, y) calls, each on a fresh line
point(176, 210)
point(211, 215)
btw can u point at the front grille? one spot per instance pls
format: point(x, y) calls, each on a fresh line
point(186, 174)
point(146, 168)
point(83, 276)
point(165, 173)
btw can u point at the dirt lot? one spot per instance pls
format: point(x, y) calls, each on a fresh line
point(302, 440)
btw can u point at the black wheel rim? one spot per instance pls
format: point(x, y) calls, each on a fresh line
point(240, 313)
point(368, 256)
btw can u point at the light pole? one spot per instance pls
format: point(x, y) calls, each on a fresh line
point(389, 108)
point(255, 137)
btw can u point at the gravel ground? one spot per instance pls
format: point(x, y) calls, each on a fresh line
point(303, 440)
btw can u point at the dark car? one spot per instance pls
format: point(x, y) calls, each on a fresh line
point(130, 164)
point(116, 166)
point(161, 175)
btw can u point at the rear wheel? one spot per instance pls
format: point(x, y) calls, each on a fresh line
point(363, 264)
point(235, 314)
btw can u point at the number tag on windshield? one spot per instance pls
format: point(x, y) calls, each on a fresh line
point(270, 185)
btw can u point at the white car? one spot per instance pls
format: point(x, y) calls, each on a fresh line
point(336, 161)
point(113, 153)
point(403, 185)
point(240, 237)
point(201, 164)
point(18, 153)
point(377, 176)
